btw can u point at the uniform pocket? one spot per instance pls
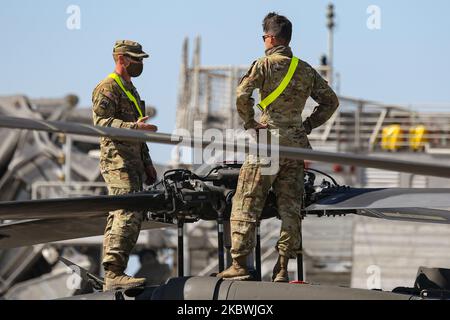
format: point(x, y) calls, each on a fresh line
point(248, 180)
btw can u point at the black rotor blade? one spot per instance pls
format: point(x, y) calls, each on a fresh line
point(27, 233)
point(64, 208)
point(424, 215)
point(288, 152)
point(420, 205)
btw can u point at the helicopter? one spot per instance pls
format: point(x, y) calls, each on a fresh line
point(182, 196)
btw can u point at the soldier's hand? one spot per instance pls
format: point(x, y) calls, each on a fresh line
point(151, 175)
point(260, 126)
point(141, 125)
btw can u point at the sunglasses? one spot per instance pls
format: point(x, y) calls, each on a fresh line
point(264, 37)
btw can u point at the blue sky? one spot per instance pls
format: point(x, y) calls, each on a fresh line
point(406, 61)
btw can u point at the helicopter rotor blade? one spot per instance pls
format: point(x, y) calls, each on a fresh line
point(63, 208)
point(422, 168)
point(419, 205)
point(31, 232)
point(424, 215)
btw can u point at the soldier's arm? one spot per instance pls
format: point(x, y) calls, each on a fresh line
point(104, 108)
point(327, 100)
point(145, 151)
point(252, 80)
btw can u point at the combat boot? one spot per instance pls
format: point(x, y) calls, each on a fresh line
point(237, 271)
point(115, 279)
point(280, 271)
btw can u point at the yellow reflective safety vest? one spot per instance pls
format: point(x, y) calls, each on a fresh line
point(281, 87)
point(130, 96)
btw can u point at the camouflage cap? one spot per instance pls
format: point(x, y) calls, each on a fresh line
point(130, 48)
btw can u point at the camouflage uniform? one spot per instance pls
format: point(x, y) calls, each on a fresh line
point(122, 163)
point(285, 115)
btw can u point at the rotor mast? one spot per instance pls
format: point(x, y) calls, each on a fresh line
point(330, 25)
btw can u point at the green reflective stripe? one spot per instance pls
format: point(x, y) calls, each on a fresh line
point(128, 93)
point(279, 90)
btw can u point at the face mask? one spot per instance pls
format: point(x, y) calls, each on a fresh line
point(135, 69)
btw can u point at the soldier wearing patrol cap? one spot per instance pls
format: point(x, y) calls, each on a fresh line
point(285, 83)
point(124, 165)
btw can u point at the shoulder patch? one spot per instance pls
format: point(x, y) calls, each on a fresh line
point(105, 90)
point(104, 108)
point(104, 103)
